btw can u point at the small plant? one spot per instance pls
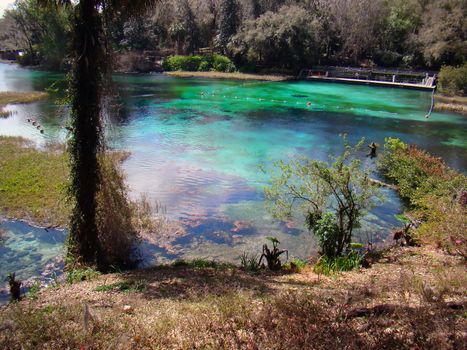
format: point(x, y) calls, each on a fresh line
point(330, 265)
point(34, 289)
point(15, 287)
point(249, 262)
point(137, 286)
point(296, 265)
point(78, 275)
point(200, 264)
point(272, 256)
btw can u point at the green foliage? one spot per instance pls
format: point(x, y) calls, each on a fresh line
point(296, 265)
point(136, 286)
point(249, 262)
point(288, 38)
point(327, 232)
point(229, 21)
point(435, 192)
point(201, 264)
point(45, 34)
point(332, 197)
point(32, 182)
point(198, 63)
point(34, 289)
point(453, 80)
point(329, 265)
point(78, 275)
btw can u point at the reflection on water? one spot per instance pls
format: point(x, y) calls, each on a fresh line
point(196, 146)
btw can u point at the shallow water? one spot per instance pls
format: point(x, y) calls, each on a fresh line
point(197, 146)
point(29, 251)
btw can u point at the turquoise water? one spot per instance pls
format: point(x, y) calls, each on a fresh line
point(197, 145)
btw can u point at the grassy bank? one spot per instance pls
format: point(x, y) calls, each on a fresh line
point(8, 97)
point(236, 76)
point(412, 298)
point(457, 104)
point(437, 196)
point(32, 182)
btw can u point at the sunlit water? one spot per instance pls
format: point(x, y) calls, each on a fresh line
point(197, 145)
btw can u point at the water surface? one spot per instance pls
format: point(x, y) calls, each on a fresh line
point(197, 145)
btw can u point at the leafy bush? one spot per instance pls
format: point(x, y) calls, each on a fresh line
point(222, 64)
point(332, 197)
point(198, 63)
point(453, 80)
point(436, 193)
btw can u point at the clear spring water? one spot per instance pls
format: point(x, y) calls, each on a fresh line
point(196, 146)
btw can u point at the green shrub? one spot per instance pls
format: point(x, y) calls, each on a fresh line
point(204, 66)
point(329, 265)
point(78, 275)
point(222, 64)
point(435, 192)
point(198, 63)
point(296, 265)
point(453, 80)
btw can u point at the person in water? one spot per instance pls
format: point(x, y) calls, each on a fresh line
point(372, 146)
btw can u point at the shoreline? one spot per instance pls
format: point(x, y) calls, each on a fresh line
point(456, 104)
point(231, 76)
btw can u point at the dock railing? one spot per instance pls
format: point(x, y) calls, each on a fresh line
point(374, 75)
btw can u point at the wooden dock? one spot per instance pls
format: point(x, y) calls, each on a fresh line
point(388, 78)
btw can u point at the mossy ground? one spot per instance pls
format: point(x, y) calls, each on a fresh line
point(189, 307)
point(33, 182)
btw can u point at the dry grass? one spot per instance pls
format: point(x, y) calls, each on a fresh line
point(457, 104)
point(236, 76)
point(225, 308)
point(8, 97)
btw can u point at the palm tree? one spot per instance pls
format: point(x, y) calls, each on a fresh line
point(90, 62)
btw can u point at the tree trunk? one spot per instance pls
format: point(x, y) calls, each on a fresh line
point(86, 133)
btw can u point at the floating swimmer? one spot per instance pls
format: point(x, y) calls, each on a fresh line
point(29, 120)
point(308, 104)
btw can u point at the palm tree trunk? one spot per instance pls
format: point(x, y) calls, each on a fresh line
point(86, 133)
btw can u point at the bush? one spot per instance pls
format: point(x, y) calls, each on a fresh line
point(333, 197)
point(198, 63)
point(436, 193)
point(453, 80)
point(222, 64)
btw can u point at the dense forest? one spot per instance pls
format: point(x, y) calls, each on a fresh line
point(258, 34)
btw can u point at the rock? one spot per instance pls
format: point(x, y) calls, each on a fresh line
point(127, 308)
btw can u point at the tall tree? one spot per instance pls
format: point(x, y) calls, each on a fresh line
point(229, 22)
point(90, 62)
